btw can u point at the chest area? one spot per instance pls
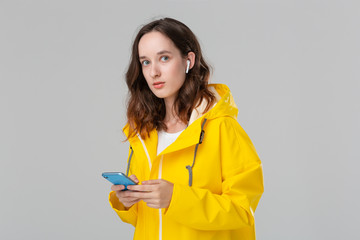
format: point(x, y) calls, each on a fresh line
point(174, 166)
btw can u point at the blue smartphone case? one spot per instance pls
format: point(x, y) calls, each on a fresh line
point(118, 178)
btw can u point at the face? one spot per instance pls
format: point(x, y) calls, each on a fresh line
point(162, 65)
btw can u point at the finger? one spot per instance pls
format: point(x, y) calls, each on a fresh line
point(140, 195)
point(129, 203)
point(117, 187)
point(129, 200)
point(153, 205)
point(126, 198)
point(152, 182)
point(132, 202)
point(134, 178)
point(141, 188)
point(125, 194)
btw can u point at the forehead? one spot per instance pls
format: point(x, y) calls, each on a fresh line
point(153, 42)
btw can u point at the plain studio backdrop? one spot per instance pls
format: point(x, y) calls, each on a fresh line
point(292, 66)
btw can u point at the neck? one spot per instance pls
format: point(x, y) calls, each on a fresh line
point(172, 120)
point(170, 114)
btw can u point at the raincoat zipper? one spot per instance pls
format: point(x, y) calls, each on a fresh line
point(159, 177)
point(160, 213)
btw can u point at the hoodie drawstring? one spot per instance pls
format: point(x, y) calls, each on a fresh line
point(129, 160)
point(188, 167)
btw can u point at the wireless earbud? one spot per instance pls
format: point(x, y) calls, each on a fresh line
point(188, 66)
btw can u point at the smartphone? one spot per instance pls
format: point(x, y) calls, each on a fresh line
point(118, 178)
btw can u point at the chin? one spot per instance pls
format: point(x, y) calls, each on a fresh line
point(159, 95)
point(162, 93)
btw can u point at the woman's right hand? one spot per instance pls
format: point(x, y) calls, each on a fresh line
point(123, 197)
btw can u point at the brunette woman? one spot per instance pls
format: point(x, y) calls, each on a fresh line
point(198, 172)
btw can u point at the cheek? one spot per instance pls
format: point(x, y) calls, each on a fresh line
point(181, 76)
point(146, 76)
point(176, 72)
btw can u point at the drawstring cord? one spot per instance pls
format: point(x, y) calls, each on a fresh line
point(188, 167)
point(129, 160)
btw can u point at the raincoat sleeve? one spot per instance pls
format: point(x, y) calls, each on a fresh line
point(242, 187)
point(126, 215)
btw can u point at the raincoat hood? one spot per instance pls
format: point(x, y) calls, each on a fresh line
point(224, 106)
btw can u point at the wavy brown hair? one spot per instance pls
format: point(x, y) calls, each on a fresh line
point(145, 111)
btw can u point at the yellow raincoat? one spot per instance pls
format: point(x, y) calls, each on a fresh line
point(227, 180)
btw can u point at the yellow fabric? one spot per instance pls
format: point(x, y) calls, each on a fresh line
point(227, 180)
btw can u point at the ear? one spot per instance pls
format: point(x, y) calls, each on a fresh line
point(191, 57)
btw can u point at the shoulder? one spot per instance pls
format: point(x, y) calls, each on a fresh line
point(225, 123)
point(229, 130)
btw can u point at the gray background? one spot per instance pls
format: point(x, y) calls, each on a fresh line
point(292, 66)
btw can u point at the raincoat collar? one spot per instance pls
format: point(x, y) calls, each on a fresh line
point(224, 106)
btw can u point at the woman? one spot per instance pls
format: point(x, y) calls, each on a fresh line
point(199, 172)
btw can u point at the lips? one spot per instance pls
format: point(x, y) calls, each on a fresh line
point(158, 85)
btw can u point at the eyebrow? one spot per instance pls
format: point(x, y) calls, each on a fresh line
point(159, 53)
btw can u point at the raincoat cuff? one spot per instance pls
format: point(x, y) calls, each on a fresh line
point(116, 204)
point(129, 216)
point(174, 201)
point(171, 201)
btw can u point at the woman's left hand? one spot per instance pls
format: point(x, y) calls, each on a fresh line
point(156, 193)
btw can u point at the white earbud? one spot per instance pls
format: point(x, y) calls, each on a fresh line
point(188, 66)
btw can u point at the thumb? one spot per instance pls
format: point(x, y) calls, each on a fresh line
point(134, 178)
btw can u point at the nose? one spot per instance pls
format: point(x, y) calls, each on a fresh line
point(154, 70)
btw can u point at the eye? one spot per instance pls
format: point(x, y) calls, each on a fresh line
point(145, 62)
point(164, 58)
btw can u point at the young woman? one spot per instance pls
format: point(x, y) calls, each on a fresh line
point(199, 175)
